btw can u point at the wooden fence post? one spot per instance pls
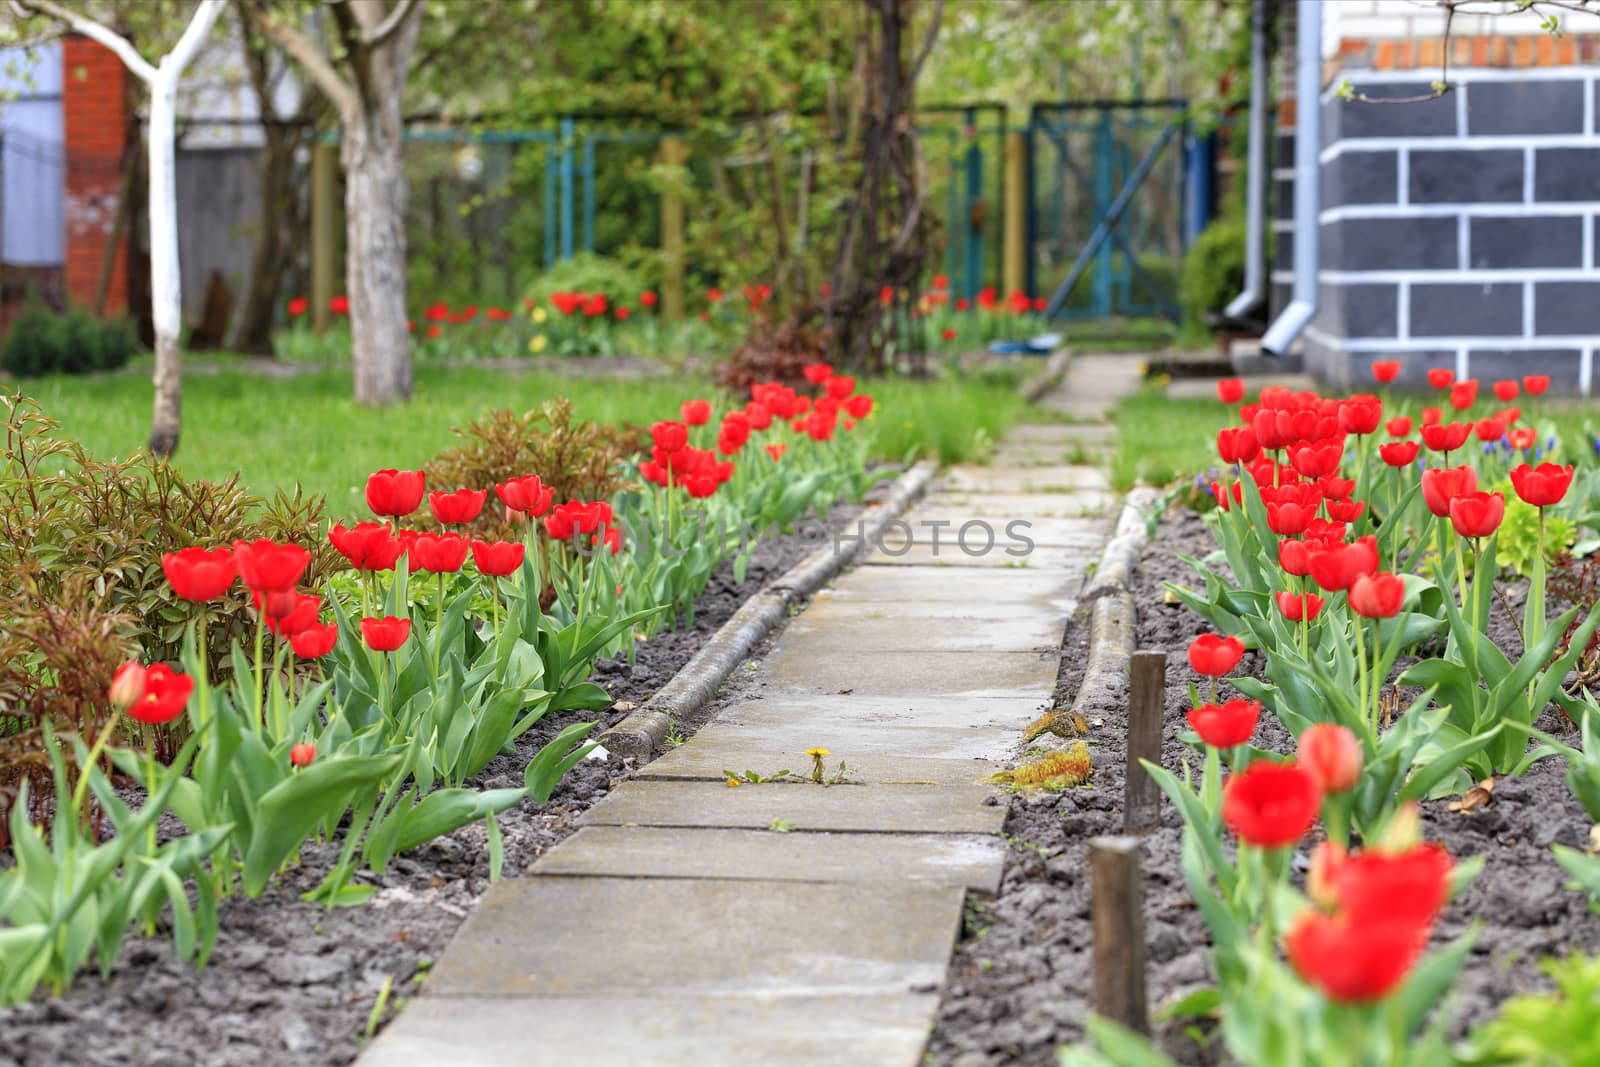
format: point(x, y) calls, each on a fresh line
point(1118, 919)
point(1141, 804)
point(1014, 235)
point(324, 232)
point(674, 153)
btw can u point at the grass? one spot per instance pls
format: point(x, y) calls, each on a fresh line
point(1161, 440)
point(307, 429)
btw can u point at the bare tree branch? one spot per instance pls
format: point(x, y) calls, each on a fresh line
point(304, 51)
point(927, 43)
point(380, 33)
point(95, 32)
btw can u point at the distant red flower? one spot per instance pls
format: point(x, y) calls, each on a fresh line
point(525, 494)
point(1360, 414)
point(1399, 426)
point(1237, 444)
point(437, 553)
point(395, 493)
point(817, 373)
point(1543, 485)
point(458, 507)
point(1464, 394)
point(695, 412)
point(302, 754)
point(1338, 566)
point(1440, 377)
point(858, 406)
point(198, 575)
point(1399, 453)
point(287, 617)
point(298, 306)
point(1230, 390)
point(165, 694)
point(127, 685)
point(385, 634)
point(963, 304)
point(671, 436)
point(839, 386)
point(497, 558)
point(714, 295)
point(1447, 436)
point(435, 330)
point(1490, 429)
point(368, 546)
point(622, 314)
point(1536, 384)
point(1477, 514)
point(1271, 805)
point(595, 306)
point(314, 641)
point(1225, 725)
point(1378, 595)
point(1523, 439)
point(268, 567)
point(1331, 754)
point(776, 451)
point(1431, 416)
point(1506, 390)
point(1386, 370)
point(949, 333)
point(1443, 485)
point(339, 305)
point(648, 298)
point(1215, 655)
point(1297, 607)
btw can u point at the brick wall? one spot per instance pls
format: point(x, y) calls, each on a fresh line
point(94, 102)
point(1460, 232)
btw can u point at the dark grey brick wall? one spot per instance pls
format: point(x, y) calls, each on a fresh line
point(1361, 178)
point(1353, 119)
point(1564, 365)
point(1466, 309)
point(1504, 243)
point(1465, 176)
point(1566, 174)
point(1390, 244)
point(1369, 309)
point(1566, 308)
point(1520, 108)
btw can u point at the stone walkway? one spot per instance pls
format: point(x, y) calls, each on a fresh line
point(688, 922)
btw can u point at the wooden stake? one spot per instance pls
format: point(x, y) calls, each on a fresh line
point(1118, 918)
point(324, 232)
point(1141, 804)
point(674, 153)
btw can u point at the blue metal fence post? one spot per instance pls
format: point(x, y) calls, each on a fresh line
point(955, 233)
point(566, 188)
point(1104, 183)
point(588, 192)
point(1030, 257)
point(550, 150)
point(973, 269)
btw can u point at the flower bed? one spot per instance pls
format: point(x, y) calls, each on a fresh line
point(355, 740)
point(1371, 588)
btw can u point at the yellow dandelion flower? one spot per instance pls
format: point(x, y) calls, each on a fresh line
point(817, 752)
point(733, 783)
point(537, 344)
point(539, 314)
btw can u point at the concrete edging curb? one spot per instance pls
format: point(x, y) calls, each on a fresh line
point(1112, 623)
point(645, 730)
point(1055, 369)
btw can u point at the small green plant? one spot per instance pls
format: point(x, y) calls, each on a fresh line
point(41, 341)
point(1546, 1029)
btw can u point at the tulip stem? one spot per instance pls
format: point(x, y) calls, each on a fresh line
point(438, 622)
point(1362, 672)
point(1536, 619)
point(95, 751)
point(261, 631)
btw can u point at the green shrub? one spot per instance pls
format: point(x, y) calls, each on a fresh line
point(586, 273)
point(1213, 271)
point(1546, 1028)
point(42, 341)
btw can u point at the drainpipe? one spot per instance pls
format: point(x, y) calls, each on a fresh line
point(1255, 256)
point(1307, 180)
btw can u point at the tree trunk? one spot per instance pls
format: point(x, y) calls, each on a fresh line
point(375, 263)
point(252, 325)
point(166, 297)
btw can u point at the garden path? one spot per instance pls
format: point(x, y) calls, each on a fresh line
point(690, 922)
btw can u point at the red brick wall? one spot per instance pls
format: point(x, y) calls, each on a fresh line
point(1479, 50)
point(94, 100)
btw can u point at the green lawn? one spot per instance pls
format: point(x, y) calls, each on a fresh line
point(307, 429)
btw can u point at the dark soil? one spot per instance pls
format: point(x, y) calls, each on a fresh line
point(292, 982)
point(1020, 983)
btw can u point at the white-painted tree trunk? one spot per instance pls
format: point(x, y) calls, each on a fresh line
point(166, 290)
point(375, 267)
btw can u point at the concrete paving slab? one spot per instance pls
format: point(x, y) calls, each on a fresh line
point(948, 809)
point(1010, 533)
point(880, 625)
point(974, 862)
point(970, 585)
point(1094, 384)
point(1093, 504)
point(769, 705)
point(580, 936)
point(1065, 434)
point(852, 741)
point(995, 479)
point(662, 1030)
point(1021, 674)
point(707, 760)
point(1050, 558)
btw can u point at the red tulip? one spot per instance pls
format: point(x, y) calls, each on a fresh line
point(526, 494)
point(1293, 558)
point(339, 305)
point(648, 298)
point(1344, 510)
point(268, 567)
point(1543, 485)
point(1331, 755)
point(1491, 429)
point(1230, 390)
point(1271, 805)
point(165, 694)
point(1431, 416)
point(776, 451)
point(1297, 607)
point(1237, 444)
point(1377, 596)
point(368, 546)
point(672, 436)
point(1439, 487)
point(127, 685)
point(1314, 461)
point(302, 754)
point(198, 575)
point(497, 558)
point(288, 617)
point(385, 634)
point(1337, 567)
point(949, 333)
point(1464, 394)
point(1440, 377)
point(1506, 390)
point(1523, 439)
point(1224, 497)
point(1214, 655)
point(859, 406)
point(1399, 426)
point(457, 508)
point(395, 493)
point(1446, 437)
point(437, 553)
point(1353, 962)
point(1536, 384)
point(1225, 725)
point(1360, 414)
point(1477, 514)
point(1386, 370)
point(1410, 886)
point(1288, 520)
point(839, 386)
point(695, 412)
point(817, 373)
point(298, 306)
point(1399, 453)
point(314, 641)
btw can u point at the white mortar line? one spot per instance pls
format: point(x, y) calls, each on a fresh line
point(1527, 175)
point(1585, 371)
point(1527, 310)
point(1461, 363)
point(1463, 242)
point(1446, 210)
point(1402, 177)
point(1482, 275)
point(1461, 109)
point(1481, 142)
point(1377, 345)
